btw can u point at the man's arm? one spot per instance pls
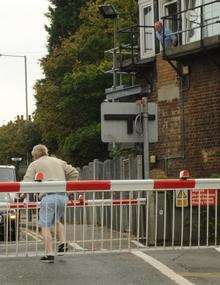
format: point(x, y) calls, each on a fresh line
point(71, 172)
point(30, 173)
point(29, 176)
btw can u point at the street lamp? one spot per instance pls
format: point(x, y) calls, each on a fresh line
point(108, 11)
point(25, 71)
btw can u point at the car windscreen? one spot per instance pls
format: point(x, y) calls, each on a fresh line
point(7, 174)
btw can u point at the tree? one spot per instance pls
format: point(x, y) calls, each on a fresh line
point(77, 145)
point(17, 139)
point(68, 99)
point(64, 20)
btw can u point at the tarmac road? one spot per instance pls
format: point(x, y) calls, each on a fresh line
point(167, 267)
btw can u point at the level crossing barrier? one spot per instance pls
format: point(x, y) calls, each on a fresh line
point(114, 215)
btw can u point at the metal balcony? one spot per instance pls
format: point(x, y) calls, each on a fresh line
point(198, 31)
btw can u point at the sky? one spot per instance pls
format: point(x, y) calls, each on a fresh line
point(21, 33)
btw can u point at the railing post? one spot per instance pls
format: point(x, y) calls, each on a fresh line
point(164, 51)
point(201, 26)
point(132, 44)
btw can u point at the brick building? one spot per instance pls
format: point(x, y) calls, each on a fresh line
point(183, 80)
point(189, 117)
point(186, 83)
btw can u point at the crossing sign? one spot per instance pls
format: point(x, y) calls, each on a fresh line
point(182, 198)
point(119, 121)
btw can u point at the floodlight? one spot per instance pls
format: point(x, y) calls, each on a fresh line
point(108, 11)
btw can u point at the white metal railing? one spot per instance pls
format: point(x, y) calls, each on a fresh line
point(194, 23)
point(115, 215)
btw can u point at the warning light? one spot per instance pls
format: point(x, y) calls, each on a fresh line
point(39, 176)
point(184, 174)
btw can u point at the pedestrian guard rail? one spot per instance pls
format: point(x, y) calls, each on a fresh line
point(114, 215)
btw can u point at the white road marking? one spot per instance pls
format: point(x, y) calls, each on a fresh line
point(76, 246)
point(217, 248)
point(138, 244)
point(33, 235)
point(162, 268)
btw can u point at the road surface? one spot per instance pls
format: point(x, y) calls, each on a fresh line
point(184, 267)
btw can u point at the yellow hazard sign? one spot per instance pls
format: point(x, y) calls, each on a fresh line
point(182, 198)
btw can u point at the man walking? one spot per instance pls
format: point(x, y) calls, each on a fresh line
point(52, 204)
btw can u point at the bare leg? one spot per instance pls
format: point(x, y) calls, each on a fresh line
point(59, 230)
point(47, 240)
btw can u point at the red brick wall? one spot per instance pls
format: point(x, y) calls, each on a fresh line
point(201, 116)
point(165, 73)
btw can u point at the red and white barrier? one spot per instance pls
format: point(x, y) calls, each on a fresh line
point(108, 185)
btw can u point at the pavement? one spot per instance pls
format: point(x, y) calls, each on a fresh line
point(167, 267)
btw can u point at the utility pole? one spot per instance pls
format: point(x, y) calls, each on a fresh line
point(146, 137)
point(26, 88)
point(25, 75)
point(150, 216)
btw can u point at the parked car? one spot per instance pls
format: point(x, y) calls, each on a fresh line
point(8, 217)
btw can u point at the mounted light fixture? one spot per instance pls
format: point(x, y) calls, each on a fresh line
point(185, 70)
point(108, 11)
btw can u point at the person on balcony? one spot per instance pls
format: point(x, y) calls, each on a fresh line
point(52, 204)
point(170, 40)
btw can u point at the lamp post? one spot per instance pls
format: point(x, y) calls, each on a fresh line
point(109, 12)
point(25, 73)
point(26, 88)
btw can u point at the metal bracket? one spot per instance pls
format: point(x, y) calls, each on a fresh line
point(178, 71)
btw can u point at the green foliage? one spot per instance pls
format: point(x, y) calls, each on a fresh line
point(78, 145)
point(64, 19)
point(68, 99)
point(117, 151)
point(17, 139)
point(215, 175)
point(67, 117)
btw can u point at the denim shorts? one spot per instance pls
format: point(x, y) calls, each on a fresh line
point(52, 209)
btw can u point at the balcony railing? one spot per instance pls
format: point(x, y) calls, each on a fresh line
point(130, 44)
point(193, 26)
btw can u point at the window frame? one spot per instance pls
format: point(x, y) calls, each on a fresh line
point(185, 39)
point(209, 31)
point(162, 11)
point(142, 5)
point(167, 4)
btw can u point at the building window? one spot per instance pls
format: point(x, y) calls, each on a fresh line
point(192, 19)
point(147, 36)
point(211, 18)
point(171, 10)
point(168, 8)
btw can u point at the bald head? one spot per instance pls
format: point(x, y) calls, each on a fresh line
point(39, 150)
point(158, 26)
